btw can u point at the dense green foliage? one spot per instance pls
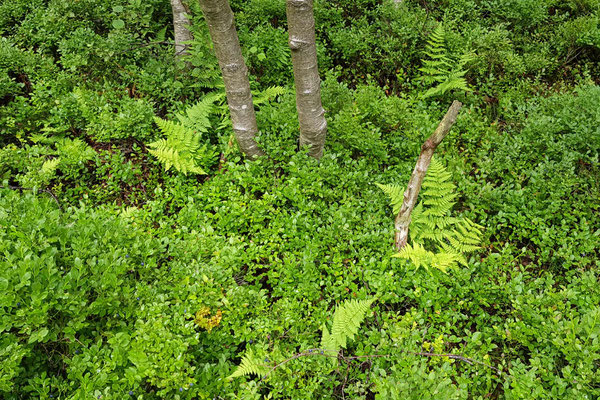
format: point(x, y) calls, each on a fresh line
point(119, 279)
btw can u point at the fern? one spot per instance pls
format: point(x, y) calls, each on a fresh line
point(250, 365)
point(346, 321)
point(197, 116)
point(421, 257)
point(395, 193)
point(48, 169)
point(267, 95)
point(73, 151)
point(181, 149)
point(441, 70)
point(439, 240)
point(39, 173)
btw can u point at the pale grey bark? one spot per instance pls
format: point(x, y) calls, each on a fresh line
point(221, 25)
point(302, 42)
point(403, 218)
point(180, 27)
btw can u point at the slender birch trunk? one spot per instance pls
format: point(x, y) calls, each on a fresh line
point(221, 25)
point(302, 42)
point(413, 188)
point(180, 27)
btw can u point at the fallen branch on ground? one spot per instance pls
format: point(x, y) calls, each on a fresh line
point(402, 221)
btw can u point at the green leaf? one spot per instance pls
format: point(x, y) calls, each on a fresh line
point(118, 24)
point(38, 336)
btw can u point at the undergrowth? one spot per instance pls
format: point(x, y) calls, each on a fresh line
point(119, 279)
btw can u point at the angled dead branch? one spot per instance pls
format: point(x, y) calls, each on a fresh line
point(403, 218)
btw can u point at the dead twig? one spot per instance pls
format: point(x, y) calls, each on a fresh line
point(347, 359)
point(48, 191)
point(402, 221)
point(457, 357)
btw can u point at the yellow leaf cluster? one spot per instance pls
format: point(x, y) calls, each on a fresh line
point(204, 320)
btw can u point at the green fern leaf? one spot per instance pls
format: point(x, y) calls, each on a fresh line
point(197, 116)
point(346, 321)
point(423, 258)
point(396, 195)
point(417, 254)
point(49, 167)
point(268, 94)
point(180, 149)
point(73, 151)
point(440, 69)
point(328, 343)
point(250, 365)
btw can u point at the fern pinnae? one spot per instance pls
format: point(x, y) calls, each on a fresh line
point(250, 365)
point(441, 70)
point(346, 321)
point(196, 117)
point(180, 148)
point(395, 193)
point(268, 94)
point(49, 166)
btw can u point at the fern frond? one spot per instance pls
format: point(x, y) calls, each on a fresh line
point(49, 167)
point(250, 365)
point(417, 254)
point(396, 195)
point(437, 37)
point(327, 341)
point(440, 69)
point(420, 257)
point(197, 116)
point(268, 94)
point(171, 158)
point(445, 260)
point(129, 212)
point(180, 149)
point(346, 321)
point(466, 237)
point(439, 207)
point(460, 258)
point(438, 173)
point(73, 151)
point(433, 227)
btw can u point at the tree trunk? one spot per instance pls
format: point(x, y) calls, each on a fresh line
point(180, 27)
point(302, 42)
point(402, 221)
point(221, 25)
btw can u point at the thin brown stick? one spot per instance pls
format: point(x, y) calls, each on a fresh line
point(402, 221)
point(325, 353)
point(457, 357)
point(48, 191)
